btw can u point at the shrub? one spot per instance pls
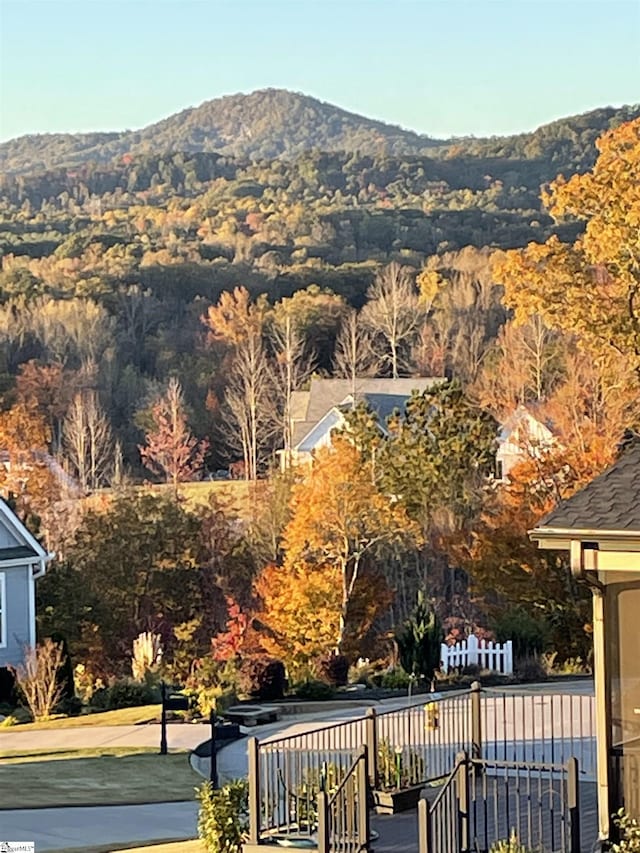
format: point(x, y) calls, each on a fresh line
point(629, 830)
point(124, 693)
point(264, 679)
point(530, 669)
point(314, 690)
point(334, 669)
point(223, 819)
point(527, 634)
point(85, 683)
point(147, 655)
point(395, 679)
point(39, 679)
point(362, 672)
point(419, 640)
point(65, 673)
point(214, 684)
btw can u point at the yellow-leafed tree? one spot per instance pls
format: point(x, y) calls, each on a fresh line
point(592, 286)
point(299, 612)
point(341, 519)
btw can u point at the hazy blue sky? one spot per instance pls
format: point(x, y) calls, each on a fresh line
point(436, 66)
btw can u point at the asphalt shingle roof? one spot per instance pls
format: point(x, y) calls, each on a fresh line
point(610, 502)
point(16, 553)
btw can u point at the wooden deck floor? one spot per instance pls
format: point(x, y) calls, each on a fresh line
point(399, 833)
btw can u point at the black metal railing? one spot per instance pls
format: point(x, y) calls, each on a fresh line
point(482, 802)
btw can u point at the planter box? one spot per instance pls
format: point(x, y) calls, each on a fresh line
point(392, 802)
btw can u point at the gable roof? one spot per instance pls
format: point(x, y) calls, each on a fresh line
point(31, 551)
point(611, 502)
point(522, 417)
point(383, 395)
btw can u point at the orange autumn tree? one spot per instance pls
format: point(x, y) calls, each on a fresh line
point(341, 520)
point(508, 570)
point(26, 475)
point(299, 616)
point(590, 287)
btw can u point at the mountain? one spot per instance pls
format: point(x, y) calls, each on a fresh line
point(275, 123)
point(265, 124)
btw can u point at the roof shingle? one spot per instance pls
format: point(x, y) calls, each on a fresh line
point(610, 502)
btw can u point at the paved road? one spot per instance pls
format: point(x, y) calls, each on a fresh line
point(53, 829)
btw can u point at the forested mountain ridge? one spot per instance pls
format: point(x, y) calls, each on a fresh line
point(273, 123)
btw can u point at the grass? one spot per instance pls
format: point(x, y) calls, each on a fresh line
point(92, 777)
point(121, 717)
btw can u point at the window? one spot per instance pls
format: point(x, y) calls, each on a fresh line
point(3, 611)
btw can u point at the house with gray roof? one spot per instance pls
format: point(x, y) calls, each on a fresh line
point(316, 413)
point(22, 561)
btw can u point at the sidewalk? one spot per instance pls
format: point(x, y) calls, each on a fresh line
point(179, 736)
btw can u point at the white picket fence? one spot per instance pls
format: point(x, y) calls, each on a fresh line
point(496, 657)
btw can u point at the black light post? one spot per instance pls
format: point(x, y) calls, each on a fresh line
point(213, 768)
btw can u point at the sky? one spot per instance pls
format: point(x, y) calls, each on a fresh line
point(441, 67)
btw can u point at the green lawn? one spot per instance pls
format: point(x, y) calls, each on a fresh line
point(122, 717)
point(107, 776)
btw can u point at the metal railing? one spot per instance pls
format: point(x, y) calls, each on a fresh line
point(542, 727)
point(343, 815)
point(415, 744)
point(482, 802)
point(411, 746)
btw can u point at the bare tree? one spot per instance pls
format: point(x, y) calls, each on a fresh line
point(87, 440)
point(523, 366)
point(39, 678)
point(73, 330)
point(249, 398)
point(393, 315)
point(292, 367)
point(353, 356)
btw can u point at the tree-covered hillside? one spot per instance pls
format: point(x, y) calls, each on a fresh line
point(274, 123)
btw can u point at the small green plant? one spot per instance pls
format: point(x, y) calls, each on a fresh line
point(419, 640)
point(510, 845)
point(629, 830)
point(8, 721)
point(325, 778)
point(395, 679)
point(399, 767)
point(223, 819)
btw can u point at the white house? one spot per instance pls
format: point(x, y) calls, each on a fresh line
point(321, 409)
point(521, 437)
point(22, 561)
